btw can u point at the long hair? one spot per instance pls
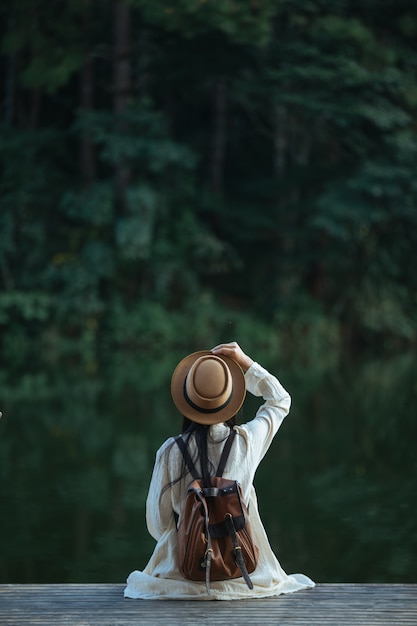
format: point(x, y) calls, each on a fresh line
point(201, 460)
point(200, 433)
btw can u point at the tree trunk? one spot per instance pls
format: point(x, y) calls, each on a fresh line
point(121, 55)
point(280, 139)
point(9, 100)
point(35, 108)
point(219, 136)
point(121, 82)
point(87, 148)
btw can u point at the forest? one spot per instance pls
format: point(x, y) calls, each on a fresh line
point(180, 171)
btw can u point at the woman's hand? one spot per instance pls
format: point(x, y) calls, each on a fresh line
point(235, 352)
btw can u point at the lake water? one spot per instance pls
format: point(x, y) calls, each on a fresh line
point(337, 490)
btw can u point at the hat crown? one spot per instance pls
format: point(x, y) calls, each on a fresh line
point(209, 384)
point(207, 388)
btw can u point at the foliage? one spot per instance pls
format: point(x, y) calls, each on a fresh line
point(238, 161)
point(242, 22)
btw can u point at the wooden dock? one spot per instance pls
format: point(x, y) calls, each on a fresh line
point(104, 605)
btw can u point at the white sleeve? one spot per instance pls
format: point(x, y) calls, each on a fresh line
point(262, 429)
point(159, 514)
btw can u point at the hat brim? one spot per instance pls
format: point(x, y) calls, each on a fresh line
point(233, 406)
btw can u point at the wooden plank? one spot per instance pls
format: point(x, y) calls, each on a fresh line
point(104, 605)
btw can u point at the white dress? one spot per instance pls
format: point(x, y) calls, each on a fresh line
point(161, 578)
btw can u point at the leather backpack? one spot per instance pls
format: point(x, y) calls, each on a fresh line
point(214, 534)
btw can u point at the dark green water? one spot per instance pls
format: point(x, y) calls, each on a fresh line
point(336, 490)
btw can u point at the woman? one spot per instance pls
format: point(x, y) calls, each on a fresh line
point(209, 388)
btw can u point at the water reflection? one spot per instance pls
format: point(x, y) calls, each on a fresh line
point(336, 490)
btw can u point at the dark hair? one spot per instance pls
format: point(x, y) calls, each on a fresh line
point(200, 432)
point(188, 424)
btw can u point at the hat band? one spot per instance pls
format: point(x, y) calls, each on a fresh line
point(199, 408)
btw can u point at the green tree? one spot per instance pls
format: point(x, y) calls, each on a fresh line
point(257, 157)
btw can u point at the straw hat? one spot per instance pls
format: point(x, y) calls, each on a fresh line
point(208, 389)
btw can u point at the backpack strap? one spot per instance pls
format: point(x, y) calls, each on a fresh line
point(225, 454)
point(209, 550)
point(187, 458)
point(223, 459)
point(237, 550)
